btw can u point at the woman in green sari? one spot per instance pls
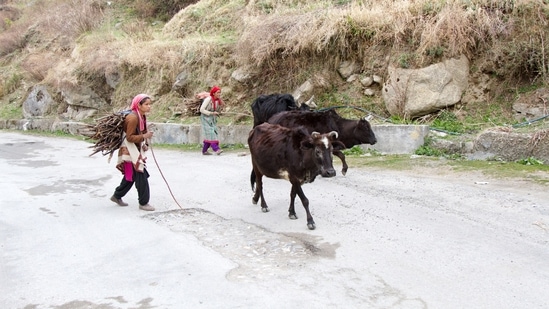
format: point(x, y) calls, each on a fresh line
point(209, 111)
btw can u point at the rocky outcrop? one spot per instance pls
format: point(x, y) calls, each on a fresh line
point(38, 102)
point(532, 105)
point(498, 143)
point(512, 146)
point(412, 93)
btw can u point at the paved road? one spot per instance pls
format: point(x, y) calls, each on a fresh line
point(383, 240)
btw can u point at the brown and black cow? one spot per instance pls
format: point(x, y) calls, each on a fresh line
point(351, 132)
point(292, 154)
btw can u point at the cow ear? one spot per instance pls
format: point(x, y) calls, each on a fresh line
point(337, 145)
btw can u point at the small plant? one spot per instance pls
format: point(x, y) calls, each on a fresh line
point(436, 52)
point(405, 60)
point(427, 150)
point(355, 150)
point(13, 82)
point(342, 2)
point(266, 7)
point(10, 111)
point(448, 121)
point(530, 161)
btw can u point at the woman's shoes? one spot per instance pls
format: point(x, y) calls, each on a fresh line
point(146, 207)
point(118, 201)
point(207, 153)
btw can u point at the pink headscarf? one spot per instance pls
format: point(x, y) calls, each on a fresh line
point(135, 107)
point(215, 101)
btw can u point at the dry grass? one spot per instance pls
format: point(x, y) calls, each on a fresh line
point(7, 16)
point(427, 30)
point(206, 17)
point(37, 67)
point(11, 41)
point(284, 41)
point(73, 17)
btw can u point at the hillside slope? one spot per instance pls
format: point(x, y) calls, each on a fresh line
point(96, 55)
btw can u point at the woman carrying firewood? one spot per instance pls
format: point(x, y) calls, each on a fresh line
point(131, 155)
point(209, 111)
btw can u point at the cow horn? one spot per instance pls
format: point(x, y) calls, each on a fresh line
point(369, 117)
point(333, 133)
point(315, 134)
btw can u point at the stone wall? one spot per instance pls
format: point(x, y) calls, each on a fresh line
point(392, 139)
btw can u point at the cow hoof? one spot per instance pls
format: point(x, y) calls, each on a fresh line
point(292, 216)
point(343, 172)
point(254, 202)
point(311, 226)
point(265, 209)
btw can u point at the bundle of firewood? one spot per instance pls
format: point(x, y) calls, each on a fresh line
point(192, 106)
point(108, 133)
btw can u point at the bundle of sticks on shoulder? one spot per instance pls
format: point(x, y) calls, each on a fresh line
point(190, 106)
point(108, 133)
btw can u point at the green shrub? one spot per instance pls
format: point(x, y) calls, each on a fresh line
point(355, 150)
point(427, 150)
point(530, 161)
point(448, 121)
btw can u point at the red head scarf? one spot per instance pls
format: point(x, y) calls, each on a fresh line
point(215, 101)
point(140, 98)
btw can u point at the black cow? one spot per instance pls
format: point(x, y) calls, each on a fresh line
point(292, 154)
point(266, 106)
point(351, 132)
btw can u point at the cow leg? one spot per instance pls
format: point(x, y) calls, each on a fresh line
point(310, 222)
point(259, 192)
point(341, 156)
point(291, 211)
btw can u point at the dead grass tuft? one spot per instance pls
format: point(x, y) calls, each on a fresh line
point(8, 15)
point(276, 36)
point(73, 17)
point(138, 31)
point(207, 17)
point(37, 66)
point(11, 41)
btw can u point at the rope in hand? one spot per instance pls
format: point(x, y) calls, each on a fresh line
point(162, 174)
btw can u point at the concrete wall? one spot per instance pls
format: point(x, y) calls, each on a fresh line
point(398, 139)
point(392, 139)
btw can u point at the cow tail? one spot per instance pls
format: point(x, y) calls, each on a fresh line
point(252, 180)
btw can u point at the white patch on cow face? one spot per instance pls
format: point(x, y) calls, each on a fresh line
point(283, 174)
point(326, 142)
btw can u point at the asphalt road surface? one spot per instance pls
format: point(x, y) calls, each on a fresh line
point(384, 239)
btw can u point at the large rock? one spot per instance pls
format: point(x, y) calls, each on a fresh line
point(306, 89)
point(242, 75)
point(412, 93)
point(181, 81)
point(38, 102)
point(532, 105)
point(347, 68)
point(503, 143)
point(82, 103)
